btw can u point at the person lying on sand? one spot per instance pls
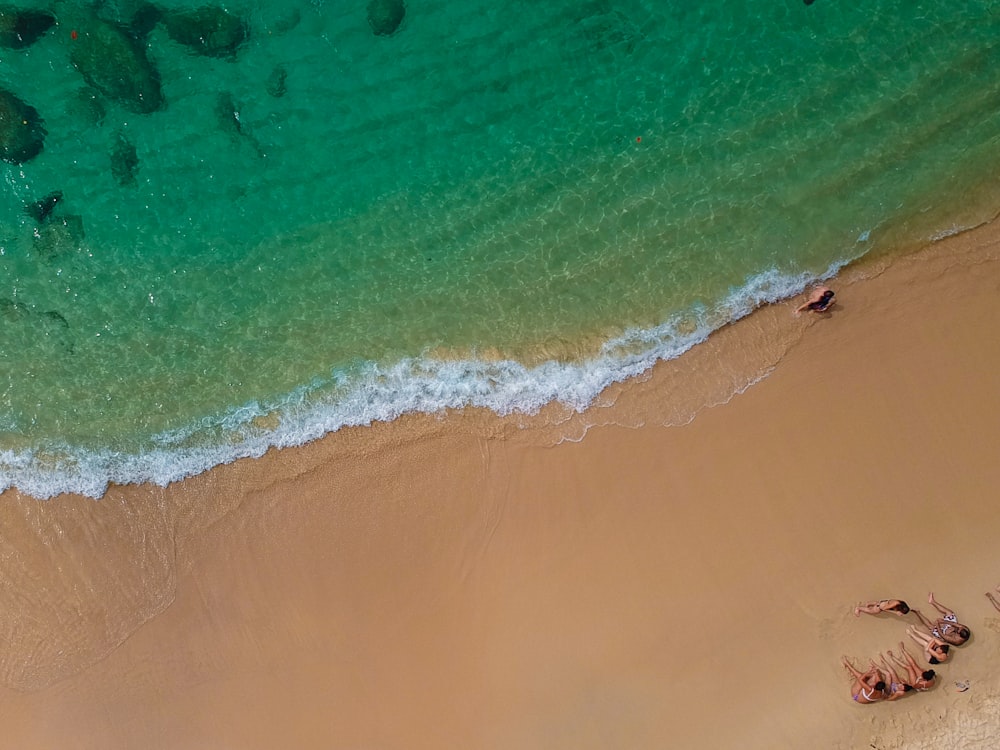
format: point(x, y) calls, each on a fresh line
point(935, 649)
point(947, 627)
point(820, 300)
point(897, 606)
point(896, 688)
point(919, 680)
point(868, 687)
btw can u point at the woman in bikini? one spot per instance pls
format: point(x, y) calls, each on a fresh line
point(935, 649)
point(868, 687)
point(819, 301)
point(920, 681)
point(896, 688)
point(947, 627)
point(897, 606)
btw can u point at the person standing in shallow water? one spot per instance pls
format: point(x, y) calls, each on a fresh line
point(819, 301)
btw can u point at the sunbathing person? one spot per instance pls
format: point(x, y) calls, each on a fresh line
point(895, 687)
point(919, 680)
point(819, 301)
point(935, 649)
point(897, 606)
point(868, 687)
point(947, 627)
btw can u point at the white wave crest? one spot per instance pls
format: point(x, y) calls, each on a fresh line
point(378, 393)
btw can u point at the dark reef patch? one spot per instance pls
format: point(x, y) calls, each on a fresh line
point(124, 159)
point(40, 210)
point(22, 131)
point(115, 63)
point(385, 16)
point(276, 82)
point(22, 28)
point(210, 31)
point(58, 237)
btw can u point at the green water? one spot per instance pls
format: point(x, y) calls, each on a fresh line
point(499, 204)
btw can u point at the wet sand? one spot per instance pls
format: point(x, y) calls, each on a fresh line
point(456, 582)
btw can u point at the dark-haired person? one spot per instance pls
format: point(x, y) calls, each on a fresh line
point(919, 680)
point(896, 688)
point(819, 301)
point(935, 649)
point(897, 606)
point(947, 627)
point(868, 687)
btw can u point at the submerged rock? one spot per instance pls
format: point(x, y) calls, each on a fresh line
point(22, 28)
point(288, 19)
point(124, 160)
point(210, 31)
point(22, 132)
point(58, 237)
point(50, 325)
point(116, 64)
point(56, 328)
point(228, 114)
point(40, 210)
point(276, 82)
point(385, 16)
point(86, 106)
point(13, 312)
point(144, 20)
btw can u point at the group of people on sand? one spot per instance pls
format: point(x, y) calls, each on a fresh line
point(881, 682)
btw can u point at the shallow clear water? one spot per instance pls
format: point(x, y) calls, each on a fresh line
point(500, 204)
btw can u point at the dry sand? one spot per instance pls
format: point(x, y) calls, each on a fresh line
point(455, 583)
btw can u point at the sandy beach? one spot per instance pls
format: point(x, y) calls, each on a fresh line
point(459, 582)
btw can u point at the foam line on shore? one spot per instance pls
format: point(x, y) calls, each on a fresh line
point(374, 392)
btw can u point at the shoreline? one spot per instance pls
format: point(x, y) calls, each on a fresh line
point(536, 392)
point(461, 581)
point(538, 387)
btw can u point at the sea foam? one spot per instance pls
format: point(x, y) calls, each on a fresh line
point(373, 392)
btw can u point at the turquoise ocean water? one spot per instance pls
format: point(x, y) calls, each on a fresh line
point(500, 204)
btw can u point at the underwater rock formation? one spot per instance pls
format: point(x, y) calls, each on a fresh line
point(13, 312)
point(54, 326)
point(115, 63)
point(228, 114)
point(40, 210)
point(144, 19)
point(22, 28)
point(385, 16)
point(22, 132)
point(124, 160)
point(58, 237)
point(288, 20)
point(86, 106)
point(51, 324)
point(210, 31)
point(276, 82)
